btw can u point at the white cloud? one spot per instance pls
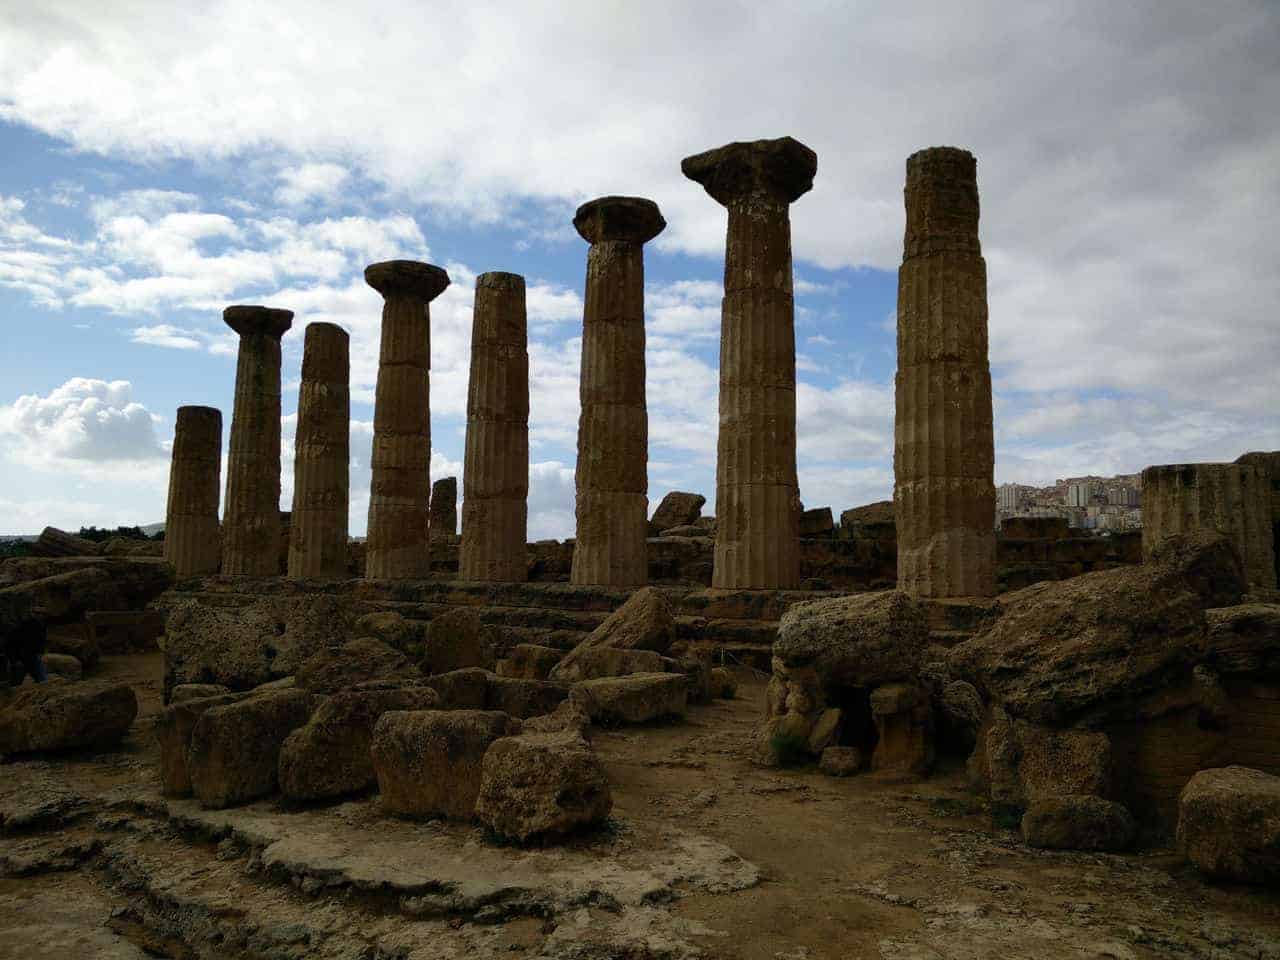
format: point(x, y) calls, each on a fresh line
point(165, 335)
point(310, 181)
point(84, 423)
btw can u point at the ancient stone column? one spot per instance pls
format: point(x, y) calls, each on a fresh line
point(191, 539)
point(251, 523)
point(944, 447)
point(322, 456)
point(400, 492)
point(612, 475)
point(1231, 498)
point(495, 474)
point(444, 510)
point(757, 495)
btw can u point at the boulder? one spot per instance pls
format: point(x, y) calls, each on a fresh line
point(960, 715)
point(1077, 822)
point(173, 732)
point(75, 641)
point(539, 785)
point(244, 646)
point(826, 730)
point(461, 689)
point(644, 622)
point(638, 698)
point(840, 761)
point(569, 715)
point(101, 584)
point(329, 755)
point(407, 636)
point(63, 665)
point(457, 640)
point(356, 662)
point(605, 662)
point(528, 661)
point(129, 547)
point(817, 523)
point(676, 509)
point(1021, 763)
point(903, 716)
point(429, 762)
point(196, 691)
point(1085, 650)
point(863, 640)
point(687, 531)
point(235, 747)
point(66, 716)
point(723, 683)
point(696, 666)
point(1229, 824)
point(523, 698)
point(53, 542)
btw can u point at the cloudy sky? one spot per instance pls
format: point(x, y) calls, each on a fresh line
point(161, 161)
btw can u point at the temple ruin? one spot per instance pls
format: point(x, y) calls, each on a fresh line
point(495, 472)
point(399, 499)
point(612, 474)
point(428, 744)
point(322, 456)
point(251, 521)
point(193, 543)
point(944, 448)
point(757, 493)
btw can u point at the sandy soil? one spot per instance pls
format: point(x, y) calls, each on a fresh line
point(706, 854)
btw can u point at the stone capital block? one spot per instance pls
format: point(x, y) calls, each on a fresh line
point(407, 278)
point(629, 219)
point(781, 170)
point(248, 320)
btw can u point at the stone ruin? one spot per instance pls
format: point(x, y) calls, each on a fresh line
point(379, 721)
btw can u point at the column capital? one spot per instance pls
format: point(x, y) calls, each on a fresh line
point(245, 319)
point(633, 219)
point(781, 169)
point(407, 278)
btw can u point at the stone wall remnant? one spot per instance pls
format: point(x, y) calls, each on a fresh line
point(401, 484)
point(322, 456)
point(495, 475)
point(444, 510)
point(613, 429)
point(251, 523)
point(1232, 498)
point(192, 541)
point(944, 447)
point(757, 495)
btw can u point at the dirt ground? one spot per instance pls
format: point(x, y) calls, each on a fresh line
point(705, 855)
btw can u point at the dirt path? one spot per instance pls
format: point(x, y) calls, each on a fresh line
point(706, 853)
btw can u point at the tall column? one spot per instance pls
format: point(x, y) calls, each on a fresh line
point(444, 509)
point(322, 456)
point(251, 525)
point(1231, 498)
point(399, 498)
point(191, 539)
point(944, 447)
point(612, 475)
point(757, 495)
point(495, 474)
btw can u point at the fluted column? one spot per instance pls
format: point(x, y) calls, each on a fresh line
point(944, 448)
point(1232, 498)
point(612, 474)
point(400, 489)
point(322, 456)
point(251, 525)
point(757, 494)
point(495, 473)
point(191, 538)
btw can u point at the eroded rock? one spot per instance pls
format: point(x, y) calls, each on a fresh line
point(1229, 824)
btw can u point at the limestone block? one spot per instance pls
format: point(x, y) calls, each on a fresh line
point(637, 698)
point(1229, 824)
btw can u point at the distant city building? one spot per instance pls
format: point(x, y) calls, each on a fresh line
point(1012, 497)
point(1079, 494)
point(1122, 496)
